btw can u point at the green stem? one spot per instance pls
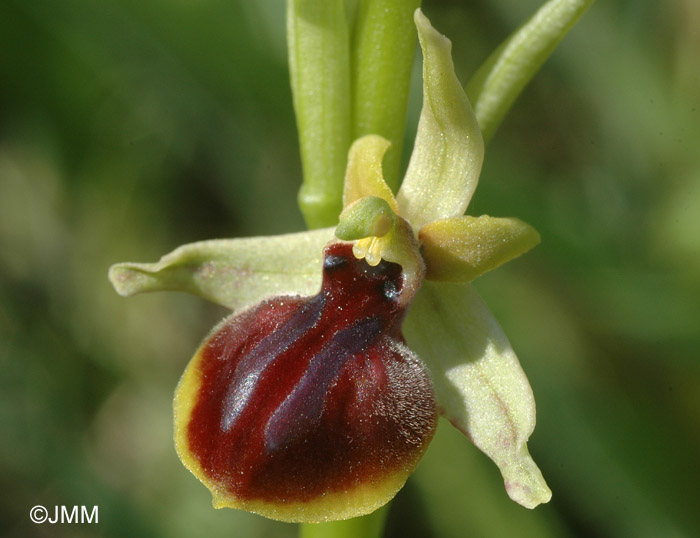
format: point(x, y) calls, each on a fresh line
point(319, 65)
point(383, 49)
point(502, 77)
point(369, 526)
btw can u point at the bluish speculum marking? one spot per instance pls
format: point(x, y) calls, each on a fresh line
point(302, 409)
point(252, 365)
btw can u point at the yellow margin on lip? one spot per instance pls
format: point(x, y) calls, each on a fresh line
point(358, 501)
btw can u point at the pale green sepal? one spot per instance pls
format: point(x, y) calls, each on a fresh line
point(368, 216)
point(462, 248)
point(318, 42)
point(504, 74)
point(479, 384)
point(234, 273)
point(364, 176)
point(448, 151)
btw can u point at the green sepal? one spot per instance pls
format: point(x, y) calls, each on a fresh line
point(448, 151)
point(462, 248)
point(479, 384)
point(234, 273)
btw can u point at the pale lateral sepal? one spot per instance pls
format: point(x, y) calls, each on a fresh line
point(479, 384)
point(234, 273)
point(449, 150)
point(462, 248)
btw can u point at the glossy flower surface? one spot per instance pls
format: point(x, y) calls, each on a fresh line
point(307, 405)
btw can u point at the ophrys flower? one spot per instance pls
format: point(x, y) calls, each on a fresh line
point(306, 405)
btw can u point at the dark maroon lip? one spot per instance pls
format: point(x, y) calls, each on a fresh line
point(302, 396)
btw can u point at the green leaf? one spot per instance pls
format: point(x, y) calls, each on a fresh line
point(479, 384)
point(448, 151)
point(502, 77)
point(319, 64)
point(234, 273)
point(462, 248)
point(383, 48)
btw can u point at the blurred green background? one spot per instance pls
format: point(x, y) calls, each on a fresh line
point(128, 128)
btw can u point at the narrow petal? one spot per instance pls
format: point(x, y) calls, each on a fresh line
point(448, 151)
point(462, 248)
point(363, 176)
point(478, 381)
point(504, 74)
point(232, 272)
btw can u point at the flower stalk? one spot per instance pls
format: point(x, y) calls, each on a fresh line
point(319, 65)
point(383, 50)
point(369, 526)
point(347, 83)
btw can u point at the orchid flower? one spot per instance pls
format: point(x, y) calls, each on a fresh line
point(317, 397)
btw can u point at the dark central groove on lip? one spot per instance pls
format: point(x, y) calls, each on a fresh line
point(251, 367)
point(301, 411)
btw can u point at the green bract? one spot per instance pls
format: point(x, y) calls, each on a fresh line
point(478, 382)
